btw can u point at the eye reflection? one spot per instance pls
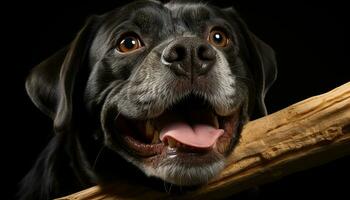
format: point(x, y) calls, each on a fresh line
point(218, 38)
point(128, 43)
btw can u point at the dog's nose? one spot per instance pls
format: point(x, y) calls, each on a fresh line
point(191, 57)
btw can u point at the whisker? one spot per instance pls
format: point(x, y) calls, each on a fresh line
point(97, 157)
point(165, 187)
point(244, 78)
point(116, 117)
point(170, 187)
point(237, 65)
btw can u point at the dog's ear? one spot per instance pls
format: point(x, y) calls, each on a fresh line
point(50, 84)
point(261, 60)
point(266, 66)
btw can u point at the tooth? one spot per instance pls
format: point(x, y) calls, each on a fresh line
point(149, 130)
point(216, 121)
point(155, 139)
point(172, 142)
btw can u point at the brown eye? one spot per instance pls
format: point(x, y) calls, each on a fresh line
point(218, 38)
point(128, 43)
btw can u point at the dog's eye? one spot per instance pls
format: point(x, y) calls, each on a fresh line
point(128, 43)
point(218, 38)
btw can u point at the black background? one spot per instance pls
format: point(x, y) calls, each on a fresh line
point(309, 40)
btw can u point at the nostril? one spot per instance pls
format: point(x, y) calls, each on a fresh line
point(181, 53)
point(175, 53)
point(206, 53)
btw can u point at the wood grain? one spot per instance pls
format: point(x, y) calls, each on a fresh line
point(303, 135)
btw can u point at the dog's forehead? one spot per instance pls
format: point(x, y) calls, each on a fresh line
point(197, 11)
point(148, 14)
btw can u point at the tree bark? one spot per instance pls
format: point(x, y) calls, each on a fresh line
point(303, 135)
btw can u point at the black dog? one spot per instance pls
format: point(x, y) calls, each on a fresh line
point(165, 87)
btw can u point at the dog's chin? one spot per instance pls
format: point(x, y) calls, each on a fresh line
point(156, 147)
point(186, 169)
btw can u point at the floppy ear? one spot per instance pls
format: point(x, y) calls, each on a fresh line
point(266, 68)
point(50, 85)
point(261, 60)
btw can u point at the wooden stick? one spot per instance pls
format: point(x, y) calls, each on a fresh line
point(304, 135)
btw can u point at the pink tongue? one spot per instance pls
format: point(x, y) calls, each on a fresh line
point(199, 136)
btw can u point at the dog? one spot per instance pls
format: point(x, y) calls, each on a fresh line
point(148, 91)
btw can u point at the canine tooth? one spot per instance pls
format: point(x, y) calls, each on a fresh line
point(155, 139)
point(216, 121)
point(149, 130)
point(172, 142)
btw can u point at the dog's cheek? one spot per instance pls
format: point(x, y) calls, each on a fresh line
point(223, 87)
point(128, 106)
point(137, 103)
point(150, 90)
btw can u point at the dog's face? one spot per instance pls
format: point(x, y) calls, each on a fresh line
point(167, 86)
point(175, 97)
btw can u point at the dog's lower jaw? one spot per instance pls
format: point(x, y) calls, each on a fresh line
point(173, 170)
point(183, 175)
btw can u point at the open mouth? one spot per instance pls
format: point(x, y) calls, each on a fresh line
point(189, 127)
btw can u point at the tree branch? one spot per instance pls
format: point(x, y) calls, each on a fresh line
point(303, 135)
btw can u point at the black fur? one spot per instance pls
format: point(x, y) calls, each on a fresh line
point(72, 86)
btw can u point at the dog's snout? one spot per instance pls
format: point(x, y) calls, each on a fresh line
point(189, 57)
